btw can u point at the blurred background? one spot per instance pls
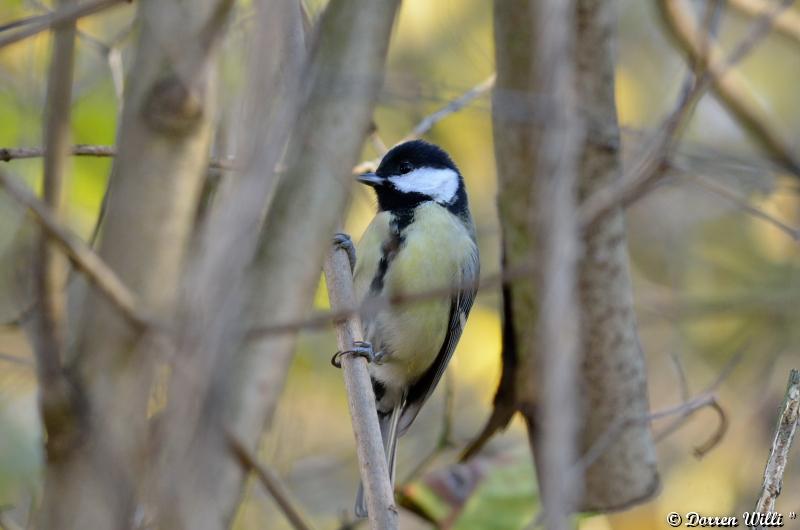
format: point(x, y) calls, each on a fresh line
point(717, 289)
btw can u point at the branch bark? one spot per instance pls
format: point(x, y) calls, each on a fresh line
point(371, 458)
point(788, 424)
point(613, 374)
point(94, 482)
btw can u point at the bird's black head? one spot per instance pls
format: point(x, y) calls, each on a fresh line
point(416, 172)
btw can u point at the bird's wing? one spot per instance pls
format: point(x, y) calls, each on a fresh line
point(460, 305)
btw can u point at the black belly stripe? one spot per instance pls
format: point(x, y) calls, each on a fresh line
point(401, 219)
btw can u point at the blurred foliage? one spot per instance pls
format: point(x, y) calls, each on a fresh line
point(711, 280)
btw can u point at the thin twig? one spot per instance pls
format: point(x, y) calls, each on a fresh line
point(271, 482)
point(15, 359)
point(6, 523)
point(38, 24)
point(427, 123)
point(84, 258)
point(788, 22)
point(8, 154)
point(602, 443)
point(787, 427)
point(51, 266)
point(372, 461)
point(745, 205)
point(727, 81)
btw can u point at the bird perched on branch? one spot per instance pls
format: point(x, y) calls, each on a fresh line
point(422, 240)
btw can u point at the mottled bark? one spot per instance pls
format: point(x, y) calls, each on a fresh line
point(614, 383)
point(156, 178)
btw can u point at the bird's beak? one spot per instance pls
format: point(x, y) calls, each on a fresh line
point(370, 179)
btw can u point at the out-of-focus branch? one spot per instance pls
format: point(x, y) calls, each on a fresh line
point(788, 22)
point(427, 123)
point(788, 424)
point(369, 445)
point(6, 523)
point(15, 359)
point(8, 154)
point(49, 331)
point(84, 258)
point(200, 485)
point(727, 82)
point(336, 94)
point(271, 483)
point(68, 14)
point(742, 202)
point(167, 115)
point(547, 378)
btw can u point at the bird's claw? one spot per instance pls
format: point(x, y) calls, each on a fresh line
point(344, 242)
point(361, 349)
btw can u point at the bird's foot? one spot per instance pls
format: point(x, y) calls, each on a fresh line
point(360, 349)
point(344, 242)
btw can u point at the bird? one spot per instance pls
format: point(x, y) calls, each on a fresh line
point(421, 240)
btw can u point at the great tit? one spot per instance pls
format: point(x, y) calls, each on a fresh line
point(422, 239)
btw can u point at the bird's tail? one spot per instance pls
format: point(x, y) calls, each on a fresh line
point(388, 423)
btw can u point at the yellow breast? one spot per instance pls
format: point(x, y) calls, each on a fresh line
point(434, 247)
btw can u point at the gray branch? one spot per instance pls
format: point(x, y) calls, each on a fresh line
point(788, 422)
point(369, 445)
point(613, 374)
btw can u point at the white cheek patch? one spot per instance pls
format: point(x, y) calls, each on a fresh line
point(441, 184)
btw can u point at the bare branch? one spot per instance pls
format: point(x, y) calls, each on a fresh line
point(427, 123)
point(271, 483)
point(8, 154)
point(788, 22)
point(745, 205)
point(788, 422)
point(84, 258)
point(51, 267)
point(37, 24)
point(371, 458)
point(727, 82)
point(15, 359)
point(6, 523)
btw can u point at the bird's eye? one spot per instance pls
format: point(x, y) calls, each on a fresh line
point(405, 167)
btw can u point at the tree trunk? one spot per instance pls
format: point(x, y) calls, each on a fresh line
point(614, 378)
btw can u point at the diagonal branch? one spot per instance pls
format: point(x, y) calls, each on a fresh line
point(39, 23)
point(427, 123)
point(84, 258)
point(271, 483)
point(727, 82)
point(788, 422)
point(788, 22)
